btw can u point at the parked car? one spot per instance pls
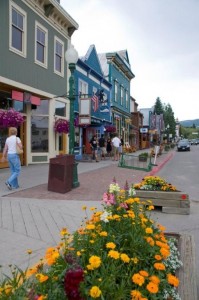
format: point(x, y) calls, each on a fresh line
point(194, 142)
point(183, 145)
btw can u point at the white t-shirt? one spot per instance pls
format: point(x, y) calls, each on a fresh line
point(116, 141)
point(11, 143)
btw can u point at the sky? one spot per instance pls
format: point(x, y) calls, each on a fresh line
point(162, 41)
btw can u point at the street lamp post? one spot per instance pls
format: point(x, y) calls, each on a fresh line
point(71, 57)
point(168, 126)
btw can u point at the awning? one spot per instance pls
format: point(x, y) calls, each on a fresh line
point(35, 100)
point(17, 96)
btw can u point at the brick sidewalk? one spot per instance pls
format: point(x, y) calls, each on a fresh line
point(94, 183)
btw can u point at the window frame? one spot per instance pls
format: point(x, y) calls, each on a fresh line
point(126, 94)
point(60, 73)
point(116, 91)
point(121, 95)
point(19, 10)
point(42, 28)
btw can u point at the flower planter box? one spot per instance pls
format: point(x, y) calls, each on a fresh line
point(187, 273)
point(171, 202)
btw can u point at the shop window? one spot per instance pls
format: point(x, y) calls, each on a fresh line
point(39, 140)
point(60, 108)
point(41, 109)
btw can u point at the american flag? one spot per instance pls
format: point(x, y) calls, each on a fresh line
point(95, 102)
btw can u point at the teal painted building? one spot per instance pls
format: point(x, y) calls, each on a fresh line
point(91, 84)
point(33, 73)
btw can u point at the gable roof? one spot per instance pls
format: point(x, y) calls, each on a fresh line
point(92, 60)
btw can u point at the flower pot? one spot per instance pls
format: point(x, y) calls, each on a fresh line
point(171, 202)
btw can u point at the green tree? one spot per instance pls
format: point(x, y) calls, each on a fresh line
point(158, 107)
point(169, 119)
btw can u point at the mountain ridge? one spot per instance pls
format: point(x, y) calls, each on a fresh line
point(189, 123)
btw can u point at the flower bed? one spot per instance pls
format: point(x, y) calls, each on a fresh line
point(163, 194)
point(118, 253)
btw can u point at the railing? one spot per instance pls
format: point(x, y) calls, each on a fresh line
point(132, 161)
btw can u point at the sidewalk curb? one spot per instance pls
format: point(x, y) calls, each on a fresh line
point(159, 167)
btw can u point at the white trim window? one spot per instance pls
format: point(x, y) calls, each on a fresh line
point(41, 38)
point(116, 91)
point(83, 89)
point(126, 94)
point(18, 30)
point(122, 96)
point(58, 57)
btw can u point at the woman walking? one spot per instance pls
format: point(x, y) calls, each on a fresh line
point(13, 158)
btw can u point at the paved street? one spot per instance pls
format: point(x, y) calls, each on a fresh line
point(31, 217)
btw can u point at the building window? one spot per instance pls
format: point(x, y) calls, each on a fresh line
point(126, 100)
point(17, 37)
point(60, 108)
point(59, 57)
point(41, 38)
point(122, 96)
point(83, 89)
point(116, 91)
point(39, 128)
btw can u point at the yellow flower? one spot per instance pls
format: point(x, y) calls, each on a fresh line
point(84, 207)
point(103, 233)
point(63, 232)
point(41, 278)
point(124, 257)
point(110, 245)
point(151, 207)
point(113, 254)
point(95, 292)
point(152, 287)
point(79, 253)
point(150, 241)
point(95, 261)
point(93, 208)
point(90, 226)
point(135, 260)
point(138, 279)
point(149, 230)
point(173, 280)
point(29, 251)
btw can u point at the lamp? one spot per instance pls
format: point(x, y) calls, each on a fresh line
point(71, 57)
point(168, 126)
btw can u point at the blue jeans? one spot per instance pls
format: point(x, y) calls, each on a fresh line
point(15, 168)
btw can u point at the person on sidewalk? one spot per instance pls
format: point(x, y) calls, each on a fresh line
point(109, 147)
point(13, 158)
point(102, 145)
point(116, 144)
point(121, 146)
point(93, 144)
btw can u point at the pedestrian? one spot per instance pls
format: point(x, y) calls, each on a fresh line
point(116, 144)
point(109, 147)
point(121, 146)
point(102, 145)
point(13, 158)
point(93, 144)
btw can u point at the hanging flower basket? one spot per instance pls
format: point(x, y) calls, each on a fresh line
point(62, 126)
point(110, 128)
point(10, 118)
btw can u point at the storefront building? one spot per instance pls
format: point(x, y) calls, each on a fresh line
point(33, 74)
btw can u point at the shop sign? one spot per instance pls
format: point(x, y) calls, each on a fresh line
point(143, 130)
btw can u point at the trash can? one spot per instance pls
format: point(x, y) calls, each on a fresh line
point(60, 177)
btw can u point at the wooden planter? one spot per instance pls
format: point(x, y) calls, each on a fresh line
point(171, 202)
point(187, 273)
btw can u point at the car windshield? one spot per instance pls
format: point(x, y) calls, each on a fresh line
point(183, 142)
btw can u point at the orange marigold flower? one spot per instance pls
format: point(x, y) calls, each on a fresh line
point(173, 280)
point(154, 279)
point(144, 273)
point(136, 295)
point(103, 233)
point(150, 241)
point(159, 266)
point(95, 261)
point(165, 252)
point(158, 257)
point(138, 279)
point(41, 277)
point(152, 287)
